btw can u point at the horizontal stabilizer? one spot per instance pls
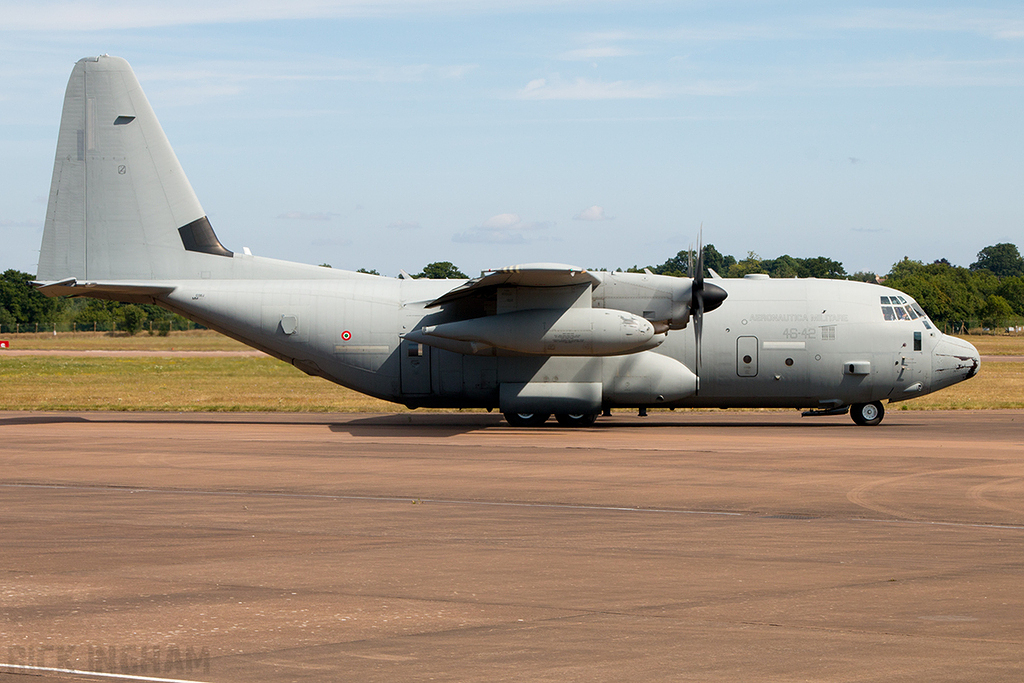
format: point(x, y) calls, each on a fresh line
point(114, 291)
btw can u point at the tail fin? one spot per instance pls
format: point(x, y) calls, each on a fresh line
point(120, 205)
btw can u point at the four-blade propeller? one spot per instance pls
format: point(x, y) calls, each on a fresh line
point(703, 297)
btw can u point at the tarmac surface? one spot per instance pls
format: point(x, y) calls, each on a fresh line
point(710, 546)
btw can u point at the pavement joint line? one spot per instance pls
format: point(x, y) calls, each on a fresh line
point(99, 674)
point(383, 499)
point(556, 506)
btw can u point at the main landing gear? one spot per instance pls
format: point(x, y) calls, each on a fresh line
point(867, 414)
point(537, 419)
point(526, 419)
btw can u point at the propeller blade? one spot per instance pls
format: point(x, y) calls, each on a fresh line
point(698, 329)
point(698, 300)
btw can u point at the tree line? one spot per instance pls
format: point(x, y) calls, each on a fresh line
point(988, 293)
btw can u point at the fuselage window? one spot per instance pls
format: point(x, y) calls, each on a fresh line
point(885, 301)
point(917, 341)
point(912, 312)
point(887, 313)
point(902, 313)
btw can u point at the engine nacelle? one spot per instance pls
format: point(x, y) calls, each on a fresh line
point(555, 332)
point(661, 299)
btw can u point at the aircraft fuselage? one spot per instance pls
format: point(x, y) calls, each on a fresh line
point(798, 343)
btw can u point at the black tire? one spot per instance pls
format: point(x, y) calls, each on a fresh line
point(867, 414)
point(576, 419)
point(526, 419)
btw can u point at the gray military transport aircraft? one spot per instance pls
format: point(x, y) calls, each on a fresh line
point(123, 223)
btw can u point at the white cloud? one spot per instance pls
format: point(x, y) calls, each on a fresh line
point(584, 89)
point(941, 73)
point(589, 53)
point(233, 73)
point(504, 228)
point(306, 216)
point(992, 23)
point(84, 15)
point(593, 213)
point(502, 221)
point(404, 225)
point(330, 242)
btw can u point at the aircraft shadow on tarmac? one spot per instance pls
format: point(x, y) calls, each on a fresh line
point(40, 420)
point(424, 424)
point(451, 424)
point(412, 425)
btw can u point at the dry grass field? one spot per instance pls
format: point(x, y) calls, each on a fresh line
point(193, 340)
point(56, 382)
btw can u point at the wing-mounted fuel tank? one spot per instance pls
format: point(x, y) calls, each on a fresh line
point(545, 332)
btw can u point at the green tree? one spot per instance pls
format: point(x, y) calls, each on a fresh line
point(714, 260)
point(679, 265)
point(864, 276)
point(676, 266)
point(441, 270)
point(1003, 260)
point(996, 311)
point(948, 294)
point(1012, 289)
point(97, 313)
point(821, 267)
point(751, 264)
point(23, 302)
point(783, 266)
point(132, 317)
point(369, 272)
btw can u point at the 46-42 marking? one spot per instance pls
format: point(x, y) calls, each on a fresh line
point(798, 333)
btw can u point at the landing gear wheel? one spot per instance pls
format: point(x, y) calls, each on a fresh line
point(526, 419)
point(867, 414)
point(576, 419)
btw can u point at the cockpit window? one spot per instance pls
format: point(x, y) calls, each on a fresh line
point(903, 308)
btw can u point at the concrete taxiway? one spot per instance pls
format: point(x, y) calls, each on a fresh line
point(711, 546)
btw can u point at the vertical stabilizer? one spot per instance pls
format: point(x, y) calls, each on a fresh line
point(120, 206)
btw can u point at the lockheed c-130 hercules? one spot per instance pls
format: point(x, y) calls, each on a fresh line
point(123, 223)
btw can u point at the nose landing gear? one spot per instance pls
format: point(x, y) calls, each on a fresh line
point(867, 414)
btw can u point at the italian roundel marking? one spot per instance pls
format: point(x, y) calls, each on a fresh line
point(346, 336)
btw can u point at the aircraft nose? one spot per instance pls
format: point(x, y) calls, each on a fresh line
point(954, 360)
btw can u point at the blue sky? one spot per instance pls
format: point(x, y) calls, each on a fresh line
point(388, 135)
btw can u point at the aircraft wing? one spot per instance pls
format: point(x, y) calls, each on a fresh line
point(526, 275)
point(542, 309)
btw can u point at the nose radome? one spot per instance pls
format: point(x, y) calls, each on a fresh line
point(954, 360)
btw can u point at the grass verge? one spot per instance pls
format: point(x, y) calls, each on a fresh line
point(171, 384)
point(265, 384)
